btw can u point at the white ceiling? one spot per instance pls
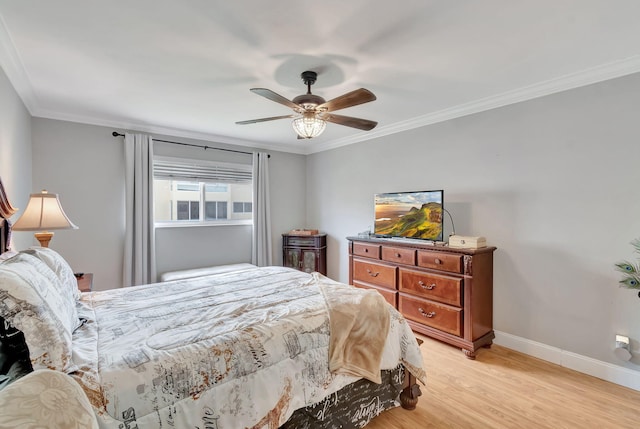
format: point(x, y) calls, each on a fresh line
point(184, 68)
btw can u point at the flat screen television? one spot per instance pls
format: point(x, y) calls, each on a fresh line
point(409, 215)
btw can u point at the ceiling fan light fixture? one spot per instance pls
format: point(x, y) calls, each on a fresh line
point(309, 125)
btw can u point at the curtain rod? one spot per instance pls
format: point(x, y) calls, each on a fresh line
point(117, 134)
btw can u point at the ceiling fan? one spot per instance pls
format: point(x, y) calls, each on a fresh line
point(312, 112)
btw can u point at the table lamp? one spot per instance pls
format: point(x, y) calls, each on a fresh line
point(43, 213)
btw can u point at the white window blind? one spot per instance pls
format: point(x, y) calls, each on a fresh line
point(201, 171)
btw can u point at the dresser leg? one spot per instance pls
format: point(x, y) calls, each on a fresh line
point(469, 354)
point(485, 341)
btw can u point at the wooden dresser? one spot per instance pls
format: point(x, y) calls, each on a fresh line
point(444, 293)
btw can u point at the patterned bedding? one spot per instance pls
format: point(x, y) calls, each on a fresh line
point(235, 350)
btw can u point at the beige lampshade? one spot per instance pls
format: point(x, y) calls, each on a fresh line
point(43, 212)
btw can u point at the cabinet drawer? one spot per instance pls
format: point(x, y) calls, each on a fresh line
point(387, 294)
point(303, 240)
point(440, 261)
point(399, 255)
point(367, 250)
point(374, 273)
point(440, 316)
point(447, 289)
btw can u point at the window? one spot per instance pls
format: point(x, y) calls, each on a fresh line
point(216, 210)
point(242, 207)
point(184, 186)
point(201, 192)
point(188, 210)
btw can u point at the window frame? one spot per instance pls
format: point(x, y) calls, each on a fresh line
point(202, 221)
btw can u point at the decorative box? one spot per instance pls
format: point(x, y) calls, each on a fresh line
point(465, 242)
point(303, 232)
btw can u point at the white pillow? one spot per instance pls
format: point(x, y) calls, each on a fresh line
point(8, 254)
point(60, 266)
point(60, 275)
point(31, 301)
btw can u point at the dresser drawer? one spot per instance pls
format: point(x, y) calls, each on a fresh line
point(388, 294)
point(399, 255)
point(447, 289)
point(440, 316)
point(440, 261)
point(367, 250)
point(374, 273)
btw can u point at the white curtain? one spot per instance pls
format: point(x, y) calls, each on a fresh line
point(261, 248)
point(139, 249)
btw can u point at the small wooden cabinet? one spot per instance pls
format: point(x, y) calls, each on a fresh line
point(85, 282)
point(444, 293)
point(306, 253)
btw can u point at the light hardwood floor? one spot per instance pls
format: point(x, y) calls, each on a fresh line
point(504, 389)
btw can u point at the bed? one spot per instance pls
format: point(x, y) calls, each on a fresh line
point(251, 347)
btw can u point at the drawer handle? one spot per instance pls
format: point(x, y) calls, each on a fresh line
point(398, 255)
point(366, 250)
point(438, 261)
point(427, 287)
point(425, 314)
point(371, 273)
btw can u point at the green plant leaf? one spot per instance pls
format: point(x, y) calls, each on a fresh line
point(631, 282)
point(631, 271)
point(627, 267)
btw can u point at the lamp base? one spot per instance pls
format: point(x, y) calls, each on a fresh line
point(44, 238)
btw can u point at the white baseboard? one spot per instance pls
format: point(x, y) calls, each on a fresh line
point(604, 370)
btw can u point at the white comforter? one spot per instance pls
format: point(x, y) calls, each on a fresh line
point(234, 350)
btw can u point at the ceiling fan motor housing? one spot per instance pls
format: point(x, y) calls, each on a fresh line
point(308, 101)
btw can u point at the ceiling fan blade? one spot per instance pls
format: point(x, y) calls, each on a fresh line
point(353, 98)
point(273, 118)
point(267, 93)
point(348, 121)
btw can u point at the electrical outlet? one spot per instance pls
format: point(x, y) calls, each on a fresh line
point(622, 349)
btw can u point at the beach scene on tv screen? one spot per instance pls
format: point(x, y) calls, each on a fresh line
point(409, 214)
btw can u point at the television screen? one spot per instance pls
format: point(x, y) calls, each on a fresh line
point(409, 214)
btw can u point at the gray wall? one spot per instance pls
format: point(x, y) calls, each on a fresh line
point(552, 182)
point(84, 164)
point(15, 154)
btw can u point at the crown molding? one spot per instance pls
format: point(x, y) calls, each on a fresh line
point(552, 86)
point(12, 65)
point(167, 131)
